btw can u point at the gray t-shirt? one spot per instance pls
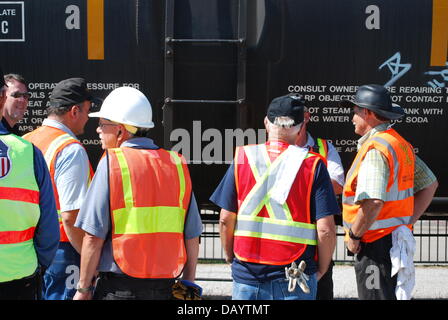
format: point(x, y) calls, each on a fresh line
point(94, 215)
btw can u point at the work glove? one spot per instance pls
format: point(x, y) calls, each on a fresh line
point(186, 290)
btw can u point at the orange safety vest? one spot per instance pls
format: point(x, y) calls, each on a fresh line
point(267, 232)
point(399, 205)
point(51, 141)
point(150, 192)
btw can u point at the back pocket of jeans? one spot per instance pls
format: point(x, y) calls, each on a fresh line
point(120, 295)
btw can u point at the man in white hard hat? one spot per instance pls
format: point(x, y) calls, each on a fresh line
point(140, 216)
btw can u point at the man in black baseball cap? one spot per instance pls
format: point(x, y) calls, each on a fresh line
point(268, 188)
point(291, 106)
point(71, 172)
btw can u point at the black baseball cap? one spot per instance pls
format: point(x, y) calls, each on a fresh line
point(291, 105)
point(71, 91)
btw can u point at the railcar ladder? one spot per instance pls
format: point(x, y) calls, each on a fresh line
point(170, 42)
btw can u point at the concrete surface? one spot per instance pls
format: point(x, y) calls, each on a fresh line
point(430, 282)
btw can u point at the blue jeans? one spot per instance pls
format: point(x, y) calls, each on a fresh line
point(273, 290)
point(62, 276)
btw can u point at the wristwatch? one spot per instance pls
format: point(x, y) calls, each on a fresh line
point(84, 290)
point(352, 236)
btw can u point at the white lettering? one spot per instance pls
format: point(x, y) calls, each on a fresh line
point(373, 21)
point(8, 12)
point(194, 310)
point(4, 27)
point(73, 21)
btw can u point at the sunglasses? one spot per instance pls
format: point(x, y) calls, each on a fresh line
point(18, 94)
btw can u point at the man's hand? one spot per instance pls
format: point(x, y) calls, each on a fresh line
point(83, 296)
point(353, 246)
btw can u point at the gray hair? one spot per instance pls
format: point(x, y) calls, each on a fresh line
point(284, 126)
point(284, 122)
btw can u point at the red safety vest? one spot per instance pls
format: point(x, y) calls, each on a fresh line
point(150, 192)
point(267, 232)
point(51, 141)
point(399, 205)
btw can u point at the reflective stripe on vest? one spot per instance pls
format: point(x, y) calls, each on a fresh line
point(321, 147)
point(398, 205)
point(296, 232)
point(143, 232)
point(385, 223)
point(51, 141)
point(280, 225)
point(19, 211)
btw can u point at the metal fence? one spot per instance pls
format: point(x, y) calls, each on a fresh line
point(430, 232)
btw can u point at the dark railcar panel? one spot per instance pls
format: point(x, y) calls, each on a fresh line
point(290, 45)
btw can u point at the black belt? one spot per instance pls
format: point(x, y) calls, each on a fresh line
point(122, 276)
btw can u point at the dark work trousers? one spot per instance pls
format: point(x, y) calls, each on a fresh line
point(112, 286)
point(373, 267)
point(325, 285)
point(27, 288)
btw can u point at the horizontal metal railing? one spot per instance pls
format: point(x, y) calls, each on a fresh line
point(430, 232)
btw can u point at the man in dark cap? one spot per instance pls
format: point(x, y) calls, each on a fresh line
point(277, 209)
point(71, 173)
point(387, 189)
point(29, 233)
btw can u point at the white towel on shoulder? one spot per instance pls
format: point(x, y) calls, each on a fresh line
point(288, 168)
point(402, 256)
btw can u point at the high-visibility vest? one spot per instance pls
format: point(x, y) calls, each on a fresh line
point(399, 205)
point(266, 231)
point(150, 192)
point(51, 141)
point(19, 210)
point(321, 147)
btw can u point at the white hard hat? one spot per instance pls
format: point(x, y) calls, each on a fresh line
point(126, 105)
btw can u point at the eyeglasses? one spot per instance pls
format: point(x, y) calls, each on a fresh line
point(101, 125)
point(18, 94)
